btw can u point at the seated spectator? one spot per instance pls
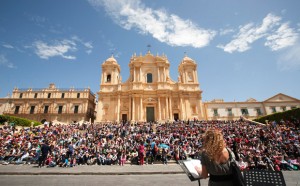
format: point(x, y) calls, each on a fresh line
point(114, 158)
point(66, 163)
point(149, 156)
point(102, 158)
point(295, 162)
point(261, 164)
point(134, 157)
point(52, 162)
point(108, 160)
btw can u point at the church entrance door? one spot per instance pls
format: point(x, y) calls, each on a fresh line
point(124, 117)
point(150, 114)
point(176, 116)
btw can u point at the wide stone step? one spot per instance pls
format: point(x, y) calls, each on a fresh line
point(156, 162)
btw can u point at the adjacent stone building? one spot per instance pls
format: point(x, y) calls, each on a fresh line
point(251, 108)
point(51, 104)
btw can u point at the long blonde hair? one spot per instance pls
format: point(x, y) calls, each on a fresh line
point(213, 143)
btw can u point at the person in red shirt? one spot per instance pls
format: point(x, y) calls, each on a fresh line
point(141, 153)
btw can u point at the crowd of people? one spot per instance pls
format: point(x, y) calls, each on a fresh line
point(274, 146)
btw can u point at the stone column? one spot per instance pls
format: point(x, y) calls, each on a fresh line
point(118, 109)
point(104, 80)
point(185, 109)
point(116, 76)
point(181, 108)
point(158, 75)
point(134, 75)
point(141, 108)
point(129, 108)
point(164, 75)
point(159, 109)
point(140, 76)
point(171, 112)
point(194, 76)
point(167, 108)
point(133, 109)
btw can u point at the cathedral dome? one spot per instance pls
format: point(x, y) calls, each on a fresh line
point(187, 59)
point(111, 60)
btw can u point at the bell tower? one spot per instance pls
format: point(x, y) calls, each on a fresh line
point(110, 72)
point(188, 71)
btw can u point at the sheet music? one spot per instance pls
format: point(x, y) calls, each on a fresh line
point(190, 165)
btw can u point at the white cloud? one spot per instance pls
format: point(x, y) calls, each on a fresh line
point(165, 27)
point(88, 45)
point(59, 48)
point(283, 37)
point(278, 35)
point(7, 46)
point(225, 31)
point(290, 60)
point(5, 62)
point(250, 33)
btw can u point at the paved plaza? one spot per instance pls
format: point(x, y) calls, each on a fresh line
point(106, 175)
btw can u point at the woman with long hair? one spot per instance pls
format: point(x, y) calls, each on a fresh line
point(215, 159)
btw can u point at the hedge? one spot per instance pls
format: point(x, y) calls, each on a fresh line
point(290, 115)
point(17, 121)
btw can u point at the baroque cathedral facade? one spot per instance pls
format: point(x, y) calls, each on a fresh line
point(149, 94)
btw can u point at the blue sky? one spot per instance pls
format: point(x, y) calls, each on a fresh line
point(244, 49)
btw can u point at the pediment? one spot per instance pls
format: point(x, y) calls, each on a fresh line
point(281, 98)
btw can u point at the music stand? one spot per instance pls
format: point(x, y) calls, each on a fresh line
point(264, 178)
point(187, 172)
